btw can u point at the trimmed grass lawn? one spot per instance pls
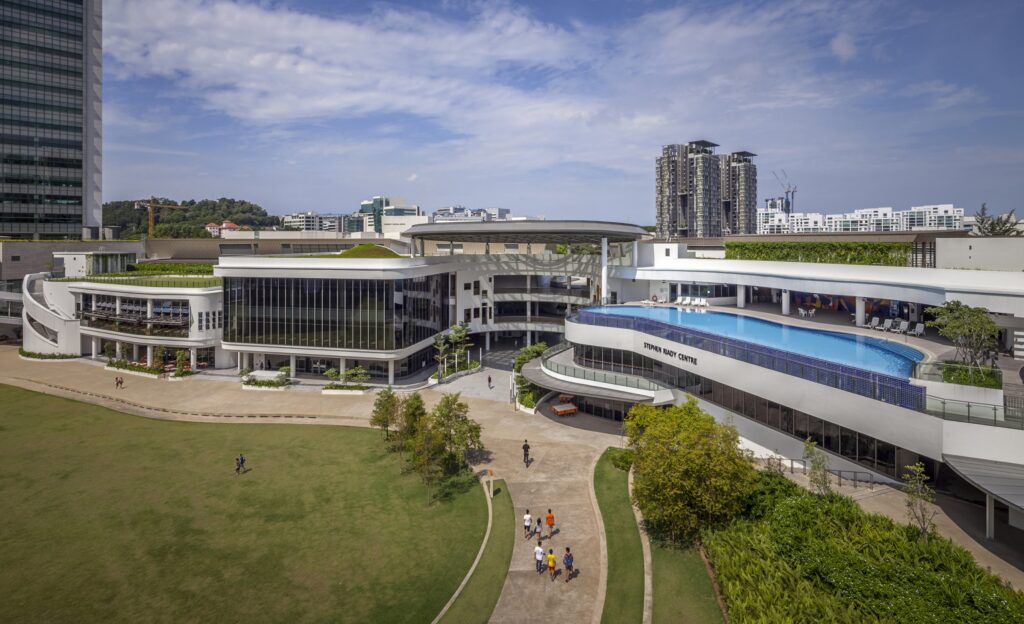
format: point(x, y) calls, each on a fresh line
point(477, 600)
point(116, 518)
point(624, 600)
point(682, 588)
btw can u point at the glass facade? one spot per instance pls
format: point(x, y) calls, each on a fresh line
point(46, 65)
point(376, 315)
point(866, 450)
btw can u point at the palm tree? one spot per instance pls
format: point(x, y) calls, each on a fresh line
point(999, 225)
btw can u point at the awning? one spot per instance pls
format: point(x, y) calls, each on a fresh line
point(1003, 480)
point(535, 374)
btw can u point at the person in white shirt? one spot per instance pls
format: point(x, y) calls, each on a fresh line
point(538, 554)
point(528, 524)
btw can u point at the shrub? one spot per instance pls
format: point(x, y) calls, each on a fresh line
point(982, 377)
point(46, 356)
point(278, 382)
point(123, 364)
point(888, 254)
point(171, 268)
point(621, 458)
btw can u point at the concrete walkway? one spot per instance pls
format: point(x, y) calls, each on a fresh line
point(559, 478)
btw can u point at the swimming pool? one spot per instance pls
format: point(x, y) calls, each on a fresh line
point(863, 352)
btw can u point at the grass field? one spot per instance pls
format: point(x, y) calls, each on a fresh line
point(477, 600)
point(116, 518)
point(682, 588)
point(624, 601)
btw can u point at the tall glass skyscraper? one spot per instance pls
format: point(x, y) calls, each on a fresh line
point(50, 118)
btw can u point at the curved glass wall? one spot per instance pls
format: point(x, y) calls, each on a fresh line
point(377, 315)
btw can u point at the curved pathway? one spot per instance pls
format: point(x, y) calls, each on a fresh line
point(559, 478)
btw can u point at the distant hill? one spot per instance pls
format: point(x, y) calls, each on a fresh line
point(187, 222)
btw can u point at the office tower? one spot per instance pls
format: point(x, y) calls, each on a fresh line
point(51, 72)
point(688, 191)
point(739, 193)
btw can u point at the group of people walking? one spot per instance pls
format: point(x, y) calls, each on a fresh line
point(548, 560)
point(240, 464)
point(119, 383)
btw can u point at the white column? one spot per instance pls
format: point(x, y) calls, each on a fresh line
point(636, 253)
point(487, 341)
point(785, 302)
point(149, 355)
point(149, 315)
point(775, 295)
point(529, 338)
point(604, 270)
point(860, 312)
point(193, 354)
point(117, 349)
point(990, 517)
point(135, 353)
point(117, 306)
point(240, 362)
point(391, 372)
point(291, 367)
point(95, 347)
point(741, 296)
point(341, 366)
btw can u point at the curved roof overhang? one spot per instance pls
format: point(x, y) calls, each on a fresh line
point(553, 232)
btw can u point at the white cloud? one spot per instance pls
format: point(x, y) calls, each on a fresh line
point(843, 47)
point(411, 178)
point(940, 95)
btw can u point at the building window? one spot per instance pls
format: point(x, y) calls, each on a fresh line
point(476, 287)
point(15, 258)
point(476, 313)
point(467, 286)
point(666, 252)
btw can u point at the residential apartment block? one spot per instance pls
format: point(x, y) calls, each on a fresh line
point(774, 220)
point(700, 194)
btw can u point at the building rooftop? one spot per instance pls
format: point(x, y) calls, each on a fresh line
point(554, 232)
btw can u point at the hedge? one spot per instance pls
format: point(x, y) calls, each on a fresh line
point(888, 254)
point(172, 268)
point(796, 557)
point(46, 356)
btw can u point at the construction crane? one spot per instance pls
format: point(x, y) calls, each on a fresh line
point(150, 206)
point(788, 188)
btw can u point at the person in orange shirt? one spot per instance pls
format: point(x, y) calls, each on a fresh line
point(551, 563)
point(550, 518)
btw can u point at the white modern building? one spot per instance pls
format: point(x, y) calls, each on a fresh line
point(775, 220)
point(783, 350)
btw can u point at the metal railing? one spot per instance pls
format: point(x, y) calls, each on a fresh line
point(976, 413)
point(509, 318)
point(856, 476)
point(877, 386)
point(592, 374)
point(163, 281)
point(538, 290)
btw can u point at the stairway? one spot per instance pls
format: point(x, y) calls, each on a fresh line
point(1018, 344)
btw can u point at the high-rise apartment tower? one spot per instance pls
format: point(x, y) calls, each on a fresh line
point(50, 111)
point(688, 191)
point(739, 193)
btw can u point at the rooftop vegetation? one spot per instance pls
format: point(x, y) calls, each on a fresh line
point(156, 281)
point(172, 268)
point(885, 254)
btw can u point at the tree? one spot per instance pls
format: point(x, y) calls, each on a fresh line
point(441, 347)
point(332, 374)
point(356, 376)
point(456, 432)
point(526, 391)
point(159, 353)
point(689, 471)
point(385, 411)
point(109, 352)
point(971, 330)
point(920, 497)
point(817, 464)
point(998, 225)
point(181, 360)
point(411, 416)
point(458, 337)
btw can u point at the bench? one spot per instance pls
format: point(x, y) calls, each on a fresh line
point(563, 409)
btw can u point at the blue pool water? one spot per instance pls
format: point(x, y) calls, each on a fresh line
point(864, 352)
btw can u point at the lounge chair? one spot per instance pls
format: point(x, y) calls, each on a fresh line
point(703, 302)
point(918, 330)
point(886, 326)
point(901, 328)
point(686, 301)
point(803, 313)
point(874, 322)
point(810, 313)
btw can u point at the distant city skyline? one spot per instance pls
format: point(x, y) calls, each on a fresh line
point(560, 111)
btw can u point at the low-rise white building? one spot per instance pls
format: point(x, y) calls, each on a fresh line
point(773, 220)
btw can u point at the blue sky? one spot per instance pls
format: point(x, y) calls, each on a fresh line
point(560, 108)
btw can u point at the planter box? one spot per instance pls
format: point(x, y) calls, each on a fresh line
point(524, 409)
point(455, 376)
point(28, 359)
point(264, 389)
point(173, 378)
point(347, 392)
point(125, 371)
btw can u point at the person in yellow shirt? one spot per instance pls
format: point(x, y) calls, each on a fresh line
point(551, 563)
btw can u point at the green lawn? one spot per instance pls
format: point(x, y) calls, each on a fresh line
point(115, 518)
point(682, 588)
point(477, 600)
point(624, 600)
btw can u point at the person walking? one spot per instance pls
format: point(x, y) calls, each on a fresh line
point(538, 530)
point(528, 524)
point(538, 555)
point(526, 453)
point(550, 518)
point(567, 561)
point(489, 386)
point(551, 563)
point(241, 461)
point(117, 383)
point(238, 465)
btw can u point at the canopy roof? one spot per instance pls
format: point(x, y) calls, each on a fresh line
point(1003, 480)
point(565, 232)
